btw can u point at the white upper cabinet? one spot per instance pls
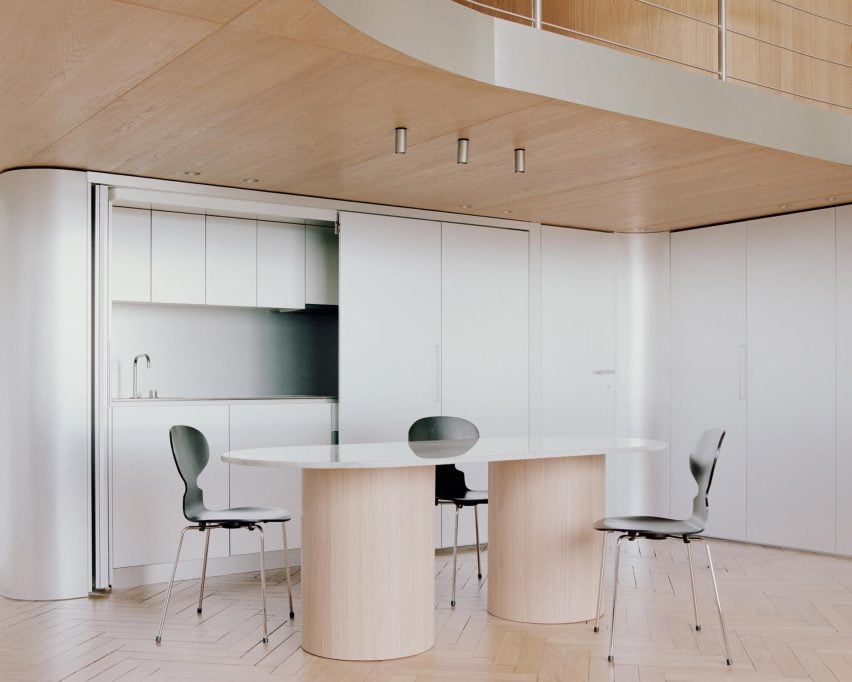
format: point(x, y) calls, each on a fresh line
point(231, 255)
point(130, 255)
point(791, 380)
point(280, 265)
point(844, 379)
point(578, 332)
point(321, 255)
point(390, 325)
point(177, 257)
point(708, 369)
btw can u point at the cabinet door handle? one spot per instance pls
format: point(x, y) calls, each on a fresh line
point(743, 372)
point(437, 372)
point(603, 371)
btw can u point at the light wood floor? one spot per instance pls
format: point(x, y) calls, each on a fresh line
point(789, 616)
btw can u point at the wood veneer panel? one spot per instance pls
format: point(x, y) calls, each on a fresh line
point(784, 26)
point(368, 583)
point(639, 25)
point(309, 22)
point(67, 59)
point(839, 10)
point(544, 554)
point(219, 11)
point(775, 67)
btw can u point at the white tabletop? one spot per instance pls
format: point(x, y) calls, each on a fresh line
point(429, 453)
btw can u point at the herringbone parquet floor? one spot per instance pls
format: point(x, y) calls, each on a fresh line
point(789, 616)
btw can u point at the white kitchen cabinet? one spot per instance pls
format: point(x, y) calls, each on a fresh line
point(708, 369)
point(321, 269)
point(484, 344)
point(130, 255)
point(578, 332)
point(390, 325)
point(844, 379)
point(791, 380)
point(147, 491)
point(231, 259)
point(177, 257)
point(259, 426)
point(280, 265)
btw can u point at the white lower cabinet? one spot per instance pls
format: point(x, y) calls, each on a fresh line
point(258, 426)
point(708, 382)
point(147, 491)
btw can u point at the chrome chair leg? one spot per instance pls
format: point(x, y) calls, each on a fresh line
point(263, 582)
point(614, 598)
point(455, 556)
point(287, 568)
point(600, 583)
point(476, 525)
point(692, 585)
point(159, 637)
point(203, 570)
point(718, 604)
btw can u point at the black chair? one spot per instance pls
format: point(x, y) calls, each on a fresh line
point(450, 486)
point(191, 454)
point(702, 464)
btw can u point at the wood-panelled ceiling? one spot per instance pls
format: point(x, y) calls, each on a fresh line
point(281, 95)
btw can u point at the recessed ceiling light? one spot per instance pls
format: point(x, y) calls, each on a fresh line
point(251, 180)
point(465, 206)
point(193, 173)
point(641, 229)
point(831, 198)
point(786, 206)
point(508, 211)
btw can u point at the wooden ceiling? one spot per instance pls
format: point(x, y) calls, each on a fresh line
point(282, 95)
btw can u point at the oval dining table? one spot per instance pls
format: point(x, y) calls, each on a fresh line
point(368, 539)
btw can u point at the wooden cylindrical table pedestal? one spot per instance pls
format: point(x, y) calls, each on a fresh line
point(543, 554)
point(368, 563)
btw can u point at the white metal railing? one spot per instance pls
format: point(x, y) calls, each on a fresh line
point(535, 18)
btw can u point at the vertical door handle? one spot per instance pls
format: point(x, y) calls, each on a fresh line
point(437, 372)
point(743, 372)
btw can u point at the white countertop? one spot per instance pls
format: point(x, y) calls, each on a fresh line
point(429, 453)
point(245, 399)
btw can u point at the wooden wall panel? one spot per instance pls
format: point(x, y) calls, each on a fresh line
point(639, 25)
point(706, 10)
point(793, 29)
point(219, 11)
point(838, 10)
point(789, 72)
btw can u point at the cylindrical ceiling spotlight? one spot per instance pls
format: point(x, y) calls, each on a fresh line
point(520, 160)
point(400, 141)
point(461, 153)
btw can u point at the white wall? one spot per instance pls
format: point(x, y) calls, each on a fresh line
point(639, 484)
point(212, 352)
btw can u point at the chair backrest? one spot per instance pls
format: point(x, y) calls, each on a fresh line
point(191, 453)
point(702, 464)
point(449, 480)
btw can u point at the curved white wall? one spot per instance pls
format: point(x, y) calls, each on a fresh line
point(45, 415)
point(640, 484)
